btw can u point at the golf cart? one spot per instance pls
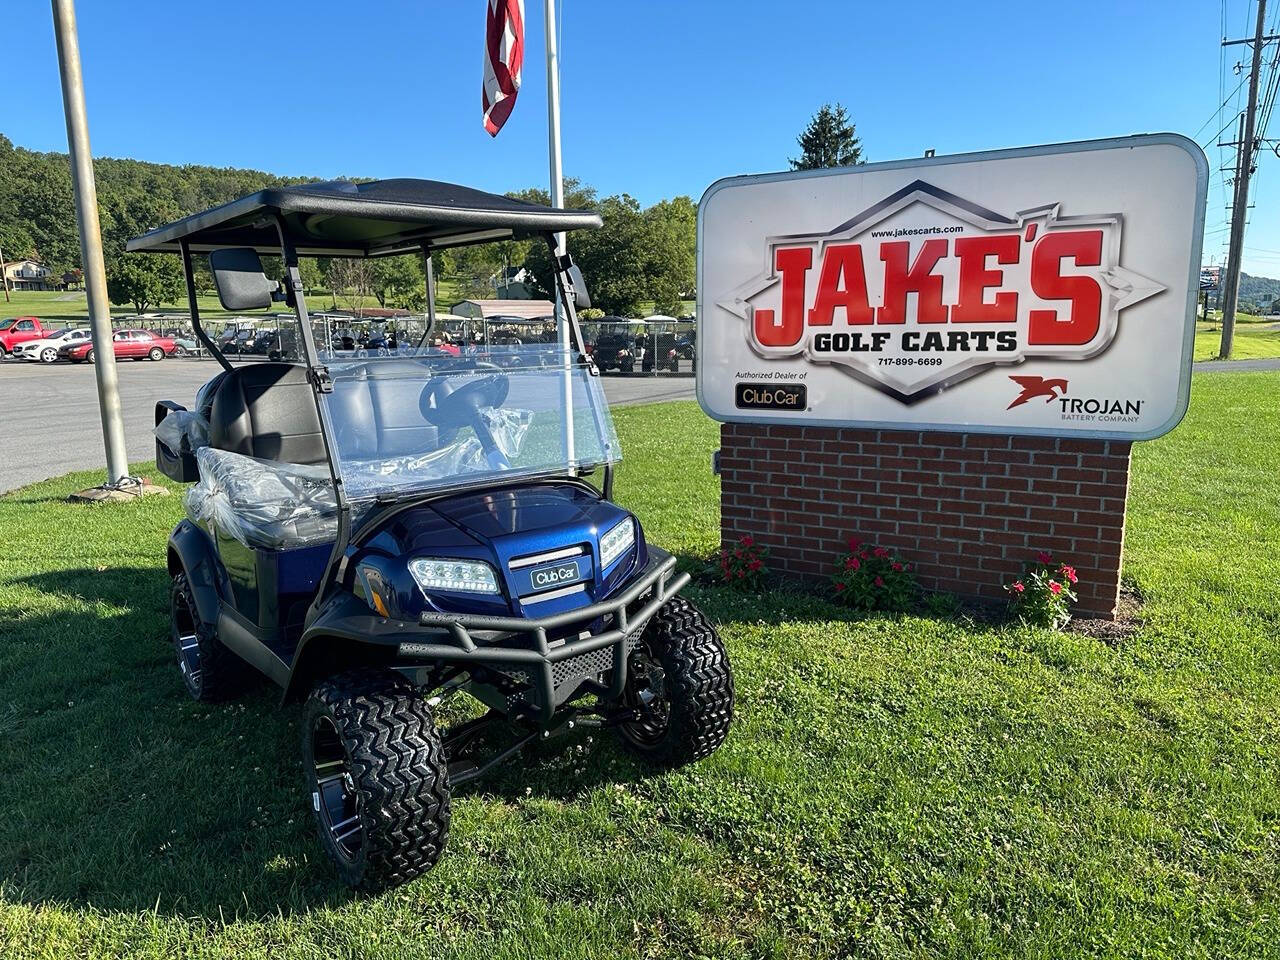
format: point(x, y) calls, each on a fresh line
point(377, 534)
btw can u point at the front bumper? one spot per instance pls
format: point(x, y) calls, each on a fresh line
point(535, 675)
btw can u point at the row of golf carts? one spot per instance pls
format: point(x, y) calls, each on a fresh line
point(655, 344)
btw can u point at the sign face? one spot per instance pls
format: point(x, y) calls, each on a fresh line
point(1048, 290)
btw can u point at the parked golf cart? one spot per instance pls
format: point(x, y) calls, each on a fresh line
point(373, 532)
point(615, 346)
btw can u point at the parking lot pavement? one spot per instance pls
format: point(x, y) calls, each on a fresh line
point(50, 425)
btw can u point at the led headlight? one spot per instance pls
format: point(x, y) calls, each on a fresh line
point(617, 541)
point(461, 576)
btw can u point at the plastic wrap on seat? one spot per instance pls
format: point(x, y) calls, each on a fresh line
point(263, 504)
point(181, 427)
point(282, 506)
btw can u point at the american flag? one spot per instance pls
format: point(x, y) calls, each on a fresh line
point(503, 58)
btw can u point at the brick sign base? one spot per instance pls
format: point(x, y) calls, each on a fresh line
point(966, 509)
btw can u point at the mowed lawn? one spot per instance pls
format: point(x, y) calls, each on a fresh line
point(1251, 341)
point(892, 786)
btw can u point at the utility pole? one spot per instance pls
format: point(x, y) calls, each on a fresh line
point(1229, 279)
point(95, 273)
point(4, 277)
point(1240, 207)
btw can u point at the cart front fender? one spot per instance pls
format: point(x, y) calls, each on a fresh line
point(192, 552)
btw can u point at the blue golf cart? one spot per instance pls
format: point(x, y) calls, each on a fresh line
point(376, 534)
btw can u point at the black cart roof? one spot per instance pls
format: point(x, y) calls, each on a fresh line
point(383, 217)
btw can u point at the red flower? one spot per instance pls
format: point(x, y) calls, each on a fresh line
point(880, 552)
point(737, 552)
point(863, 554)
point(753, 565)
point(1069, 573)
point(897, 567)
point(854, 543)
point(839, 586)
point(853, 563)
point(1044, 557)
point(741, 574)
point(747, 541)
point(1055, 587)
point(727, 575)
point(1017, 586)
point(879, 581)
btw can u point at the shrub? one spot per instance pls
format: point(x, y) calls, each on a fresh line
point(873, 578)
point(744, 567)
point(1042, 596)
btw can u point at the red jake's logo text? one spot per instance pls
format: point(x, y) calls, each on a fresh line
point(925, 289)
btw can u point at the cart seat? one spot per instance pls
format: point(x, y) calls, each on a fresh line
point(267, 411)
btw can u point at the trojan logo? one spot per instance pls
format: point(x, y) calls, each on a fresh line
point(924, 289)
point(1036, 387)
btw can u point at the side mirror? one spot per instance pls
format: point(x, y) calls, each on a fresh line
point(240, 282)
point(581, 299)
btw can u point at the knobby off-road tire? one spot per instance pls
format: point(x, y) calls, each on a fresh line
point(685, 707)
point(210, 671)
point(385, 819)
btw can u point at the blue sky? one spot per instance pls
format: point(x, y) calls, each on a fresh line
point(659, 97)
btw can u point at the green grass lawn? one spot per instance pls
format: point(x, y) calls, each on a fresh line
point(892, 786)
point(1248, 343)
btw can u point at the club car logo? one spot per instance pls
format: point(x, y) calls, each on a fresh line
point(1051, 390)
point(925, 289)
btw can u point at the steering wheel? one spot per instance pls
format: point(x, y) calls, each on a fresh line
point(450, 404)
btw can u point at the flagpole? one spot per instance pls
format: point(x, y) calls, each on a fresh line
point(557, 200)
point(553, 116)
point(86, 201)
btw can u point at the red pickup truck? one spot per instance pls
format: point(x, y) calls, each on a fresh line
point(124, 343)
point(19, 330)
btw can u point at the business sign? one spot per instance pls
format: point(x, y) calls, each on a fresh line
point(1048, 290)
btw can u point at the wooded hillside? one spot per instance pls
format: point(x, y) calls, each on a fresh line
point(640, 255)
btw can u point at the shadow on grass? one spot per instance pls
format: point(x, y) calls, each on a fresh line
point(119, 792)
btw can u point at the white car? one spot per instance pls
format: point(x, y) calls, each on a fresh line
point(46, 349)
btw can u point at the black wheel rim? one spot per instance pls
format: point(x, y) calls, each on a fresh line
point(333, 794)
point(187, 640)
point(645, 700)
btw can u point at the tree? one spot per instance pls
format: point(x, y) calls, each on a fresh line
point(828, 141)
point(145, 280)
point(351, 280)
point(399, 281)
point(670, 253)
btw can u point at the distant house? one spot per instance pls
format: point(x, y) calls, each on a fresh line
point(523, 308)
point(29, 275)
point(512, 283)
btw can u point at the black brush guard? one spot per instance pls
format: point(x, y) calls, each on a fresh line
point(540, 674)
point(548, 672)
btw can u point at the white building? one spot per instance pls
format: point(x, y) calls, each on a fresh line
point(28, 275)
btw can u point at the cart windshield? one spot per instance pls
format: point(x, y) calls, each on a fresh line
point(435, 420)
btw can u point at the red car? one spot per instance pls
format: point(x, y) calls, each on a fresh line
point(124, 343)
